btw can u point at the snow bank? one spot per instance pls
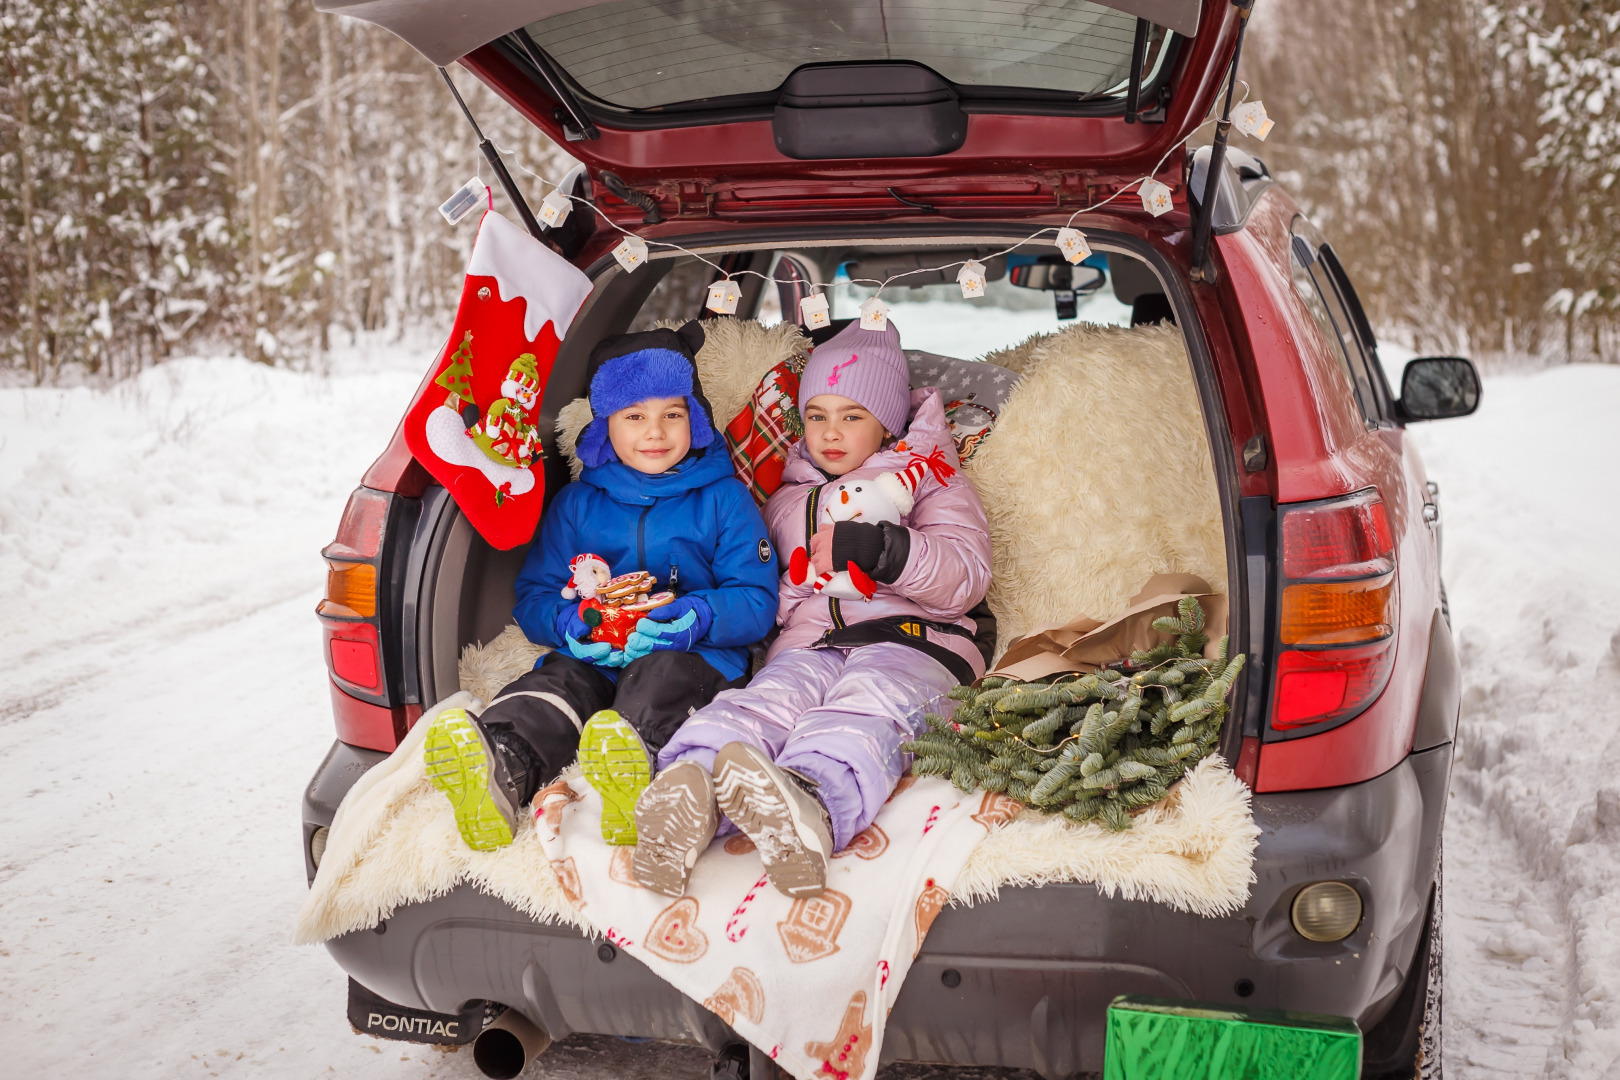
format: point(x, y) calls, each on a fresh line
point(1527, 490)
point(190, 496)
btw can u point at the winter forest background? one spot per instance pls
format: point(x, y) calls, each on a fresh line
point(253, 177)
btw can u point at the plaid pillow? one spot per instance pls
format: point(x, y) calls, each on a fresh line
point(761, 435)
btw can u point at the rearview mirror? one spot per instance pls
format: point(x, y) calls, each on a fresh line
point(1439, 387)
point(1054, 275)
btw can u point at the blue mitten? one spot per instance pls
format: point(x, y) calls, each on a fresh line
point(571, 626)
point(593, 652)
point(574, 630)
point(679, 626)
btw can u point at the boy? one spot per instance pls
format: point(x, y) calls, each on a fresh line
point(657, 493)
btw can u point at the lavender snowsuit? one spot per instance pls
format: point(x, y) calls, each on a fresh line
point(840, 715)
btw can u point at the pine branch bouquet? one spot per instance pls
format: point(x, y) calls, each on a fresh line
point(1091, 747)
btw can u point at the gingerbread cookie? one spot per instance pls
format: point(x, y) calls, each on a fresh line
point(869, 843)
point(813, 924)
point(674, 934)
point(740, 995)
point(844, 1055)
point(649, 603)
point(996, 810)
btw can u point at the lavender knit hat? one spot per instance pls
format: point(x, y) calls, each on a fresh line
point(865, 366)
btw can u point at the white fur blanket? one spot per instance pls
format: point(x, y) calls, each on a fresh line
point(815, 979)
point(394, 842)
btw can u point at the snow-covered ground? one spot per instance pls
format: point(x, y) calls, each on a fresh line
point(163, 702)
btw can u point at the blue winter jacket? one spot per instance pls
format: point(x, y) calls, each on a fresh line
point(695, 528)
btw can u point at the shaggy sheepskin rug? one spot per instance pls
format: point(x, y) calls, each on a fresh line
point(1096, 477)
point(394, 842)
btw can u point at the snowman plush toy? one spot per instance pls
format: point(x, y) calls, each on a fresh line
point(887, 496)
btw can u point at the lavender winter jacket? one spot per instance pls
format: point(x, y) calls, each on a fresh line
point(948, 570)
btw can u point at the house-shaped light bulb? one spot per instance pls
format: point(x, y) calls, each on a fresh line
point(814, 313)
point(971, 278)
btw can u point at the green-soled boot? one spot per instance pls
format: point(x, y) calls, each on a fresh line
point(616, 763)
point(462, 763)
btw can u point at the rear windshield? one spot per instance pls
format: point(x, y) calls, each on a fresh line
point(641, 54)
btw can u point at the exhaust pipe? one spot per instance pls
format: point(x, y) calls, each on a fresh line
point(505, 1048)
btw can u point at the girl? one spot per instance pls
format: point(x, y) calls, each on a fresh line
point(803, 757)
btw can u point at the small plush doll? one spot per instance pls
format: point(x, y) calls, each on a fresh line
point(587, 574)
point(887, 497)
point(611, 606)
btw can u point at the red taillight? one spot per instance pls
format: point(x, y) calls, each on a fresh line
point(1326, 684)
point(353, 652)
point(354, 661)
point(360, 533)
point(350, 613)
point(1338, 612)
point(1345, 538)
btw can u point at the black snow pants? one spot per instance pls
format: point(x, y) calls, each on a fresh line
point(543, 711)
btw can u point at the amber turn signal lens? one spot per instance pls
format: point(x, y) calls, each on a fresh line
point(1339, 612)
point(354, 586)
point(1326, 911)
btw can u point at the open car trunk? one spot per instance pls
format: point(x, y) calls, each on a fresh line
point(697, 102)
point(1072, 537)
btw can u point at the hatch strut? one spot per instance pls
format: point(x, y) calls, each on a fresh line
point(1133, 92)
point(1203, 268)
point(577, 127)
point(495, 162)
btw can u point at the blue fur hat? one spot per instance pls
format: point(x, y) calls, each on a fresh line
point(629, 368)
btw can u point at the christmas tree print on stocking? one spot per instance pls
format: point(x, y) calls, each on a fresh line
point(475, 424)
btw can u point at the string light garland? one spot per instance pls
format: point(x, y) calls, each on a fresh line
point(814, 309)
point(874, 314)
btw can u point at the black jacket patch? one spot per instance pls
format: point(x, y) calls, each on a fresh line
point(764, 550)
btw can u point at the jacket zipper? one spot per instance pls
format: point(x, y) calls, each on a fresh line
point(641, 539)
point(811, 506)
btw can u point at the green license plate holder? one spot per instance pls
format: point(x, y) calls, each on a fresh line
point(1162, 1039)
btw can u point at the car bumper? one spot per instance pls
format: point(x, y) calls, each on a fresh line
point(1023, 982)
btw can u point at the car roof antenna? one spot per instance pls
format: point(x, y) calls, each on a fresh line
point(577, 126)
point(1133, 90)
point(508, 185)
point(1203, 267)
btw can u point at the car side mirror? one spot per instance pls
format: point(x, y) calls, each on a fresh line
point(1439, 387)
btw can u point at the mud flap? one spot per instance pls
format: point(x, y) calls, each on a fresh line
point(1161, 1039)
point(372, 1015)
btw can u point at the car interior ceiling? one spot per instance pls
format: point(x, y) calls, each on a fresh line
point(476, 581)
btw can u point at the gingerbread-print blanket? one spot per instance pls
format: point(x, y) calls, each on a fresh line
point(810, 982)
point(805, 978)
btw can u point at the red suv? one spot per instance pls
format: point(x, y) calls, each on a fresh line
point(795, 140)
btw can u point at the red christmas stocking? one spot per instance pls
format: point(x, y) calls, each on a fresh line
point(474, 427)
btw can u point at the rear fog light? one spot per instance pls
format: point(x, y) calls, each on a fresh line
point(1339, 609)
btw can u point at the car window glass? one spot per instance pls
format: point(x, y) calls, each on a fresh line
point(1361, 328)
point(939, 319)
point(1306, 269)
point(679, 295)
point(643, 54)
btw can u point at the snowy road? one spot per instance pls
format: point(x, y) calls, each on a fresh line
point(163, 702)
